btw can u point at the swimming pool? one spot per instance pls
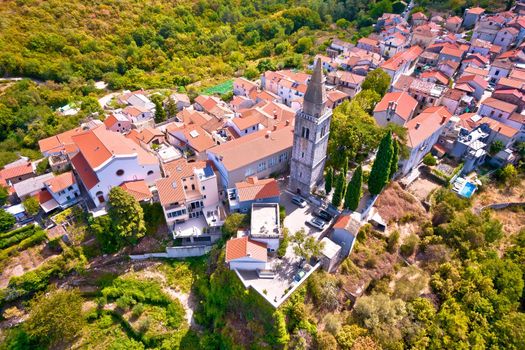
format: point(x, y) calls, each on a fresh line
point(468, 190)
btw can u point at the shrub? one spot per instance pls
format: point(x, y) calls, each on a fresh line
point(429, 160)
point(326, 341)
point(281, 251)
point(409, 247)
point(392, 242)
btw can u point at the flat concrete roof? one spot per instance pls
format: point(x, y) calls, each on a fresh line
point(265, 220)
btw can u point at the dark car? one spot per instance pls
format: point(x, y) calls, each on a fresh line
point(323, 214)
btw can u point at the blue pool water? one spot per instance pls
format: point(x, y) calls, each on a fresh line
point(467, 190)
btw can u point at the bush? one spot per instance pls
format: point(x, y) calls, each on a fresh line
point(392, 242)
point(429, 160)
point(409, 247)
point(281, 251)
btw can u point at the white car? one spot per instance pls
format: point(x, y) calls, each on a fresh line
point(317, 223)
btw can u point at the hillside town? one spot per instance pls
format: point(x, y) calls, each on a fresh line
point(456, 88)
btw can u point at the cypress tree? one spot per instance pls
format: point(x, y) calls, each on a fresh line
point(345, 165)
point(160, 113)
point(395, 158)
point(338, 192)
point(328, 180)
point(379, 175)
point(353, 191)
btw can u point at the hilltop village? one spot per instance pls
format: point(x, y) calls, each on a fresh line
point(260, 174)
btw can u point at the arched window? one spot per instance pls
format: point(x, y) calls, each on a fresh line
point(150, 172)
point(120, 172)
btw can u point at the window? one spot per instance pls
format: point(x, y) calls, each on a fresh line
point(249, 172)
point(70, 188)
point(193, 187)
point(323, 130)
point(500, 115)
point(150, 172)
point(261, 166)
point(497, 72)
point(302, 154)
point(204, 188)
point(120, 172)
point(305, 133)
point(245, 131)
point(491, 113)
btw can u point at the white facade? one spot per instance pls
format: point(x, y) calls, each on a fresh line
point(108, 175)
point(65, 196)
point(247, 264)
point(418, 152)
point(496, 114)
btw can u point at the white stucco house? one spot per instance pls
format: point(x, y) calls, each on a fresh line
point(423, 133)
point(106, 159)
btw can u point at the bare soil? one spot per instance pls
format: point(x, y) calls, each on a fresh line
point(25, 261)
point(394, 203)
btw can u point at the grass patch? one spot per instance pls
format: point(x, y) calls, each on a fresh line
point(183, 274)
point(219, 89)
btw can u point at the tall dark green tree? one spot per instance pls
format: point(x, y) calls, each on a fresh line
point(339, 190)
point(345, 165)
point(379, 175)
point(160, 113)
point(395, 158)
point(353, 190)
point(328, 180)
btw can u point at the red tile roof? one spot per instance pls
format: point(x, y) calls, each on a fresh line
point(406, 104)
point(237, 248)
point(84, 171)
point(16, 171)
point(171, 188)
point(425, 124)
point(499, 105)
point(254, 188)
point(475, 10)
point(61, 182)
point(138, 189)
point(98, 145)
point(498, 127)
point(261, 144)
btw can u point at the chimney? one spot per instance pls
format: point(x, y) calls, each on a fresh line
point(274, 114)
point(268, 134)
point(287, 123)
point(443, 120)
point(274, 127)
point(417, 126)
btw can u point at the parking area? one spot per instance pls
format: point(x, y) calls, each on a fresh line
point(296, 217)
point(285, 269)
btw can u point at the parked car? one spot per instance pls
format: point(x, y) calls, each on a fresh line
point(323, 214)
point(317, 223)
point(299, 275)
point(299, 201)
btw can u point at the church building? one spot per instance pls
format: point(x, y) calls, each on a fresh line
point(312, 127)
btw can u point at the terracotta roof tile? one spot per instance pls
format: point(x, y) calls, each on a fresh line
point(499, 105)
point(84, 171)
point(138, 189)
point(260, 144)
point(406, 104)
point(425, 124)
point(61, 182)
point(237, 248)
point(253, 189)
point(16, 171)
